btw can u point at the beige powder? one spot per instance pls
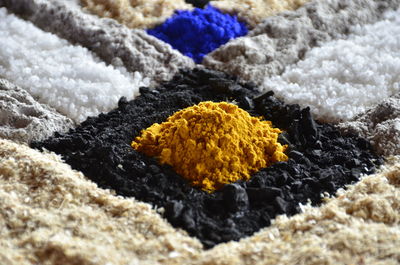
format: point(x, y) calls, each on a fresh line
point(254, 11)
point(136, 13)
point(51, 214)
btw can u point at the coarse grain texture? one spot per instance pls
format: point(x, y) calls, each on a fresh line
point(200, 31)
point(213, 144)
point(68, 78)
point(343, 78)
point(320, 158)
point(42, 198)
point(112, 42)
point(136, 13)
point(380, 125)
point(284, 39)
point(23, 119)
point(359, 226)
point(51, 214)
point(255, 11)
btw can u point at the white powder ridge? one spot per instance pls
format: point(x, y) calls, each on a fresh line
point(345, 77)
point(112, 42)
point(284, 39)
point(66, 77)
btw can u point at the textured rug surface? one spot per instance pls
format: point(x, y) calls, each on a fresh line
point(75, 67)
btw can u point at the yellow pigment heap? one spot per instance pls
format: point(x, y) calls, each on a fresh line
point(212, 144)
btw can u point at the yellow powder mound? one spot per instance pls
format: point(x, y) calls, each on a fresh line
point(212, 144)
point(254, 11)
point(50, 214)
point(135, 13)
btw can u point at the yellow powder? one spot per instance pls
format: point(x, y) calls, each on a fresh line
point(212, 144)
point(136, 13)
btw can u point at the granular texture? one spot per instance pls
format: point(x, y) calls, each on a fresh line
point(198, 32)
point(284, 39)
point(380, 125)
point(66, 77)
point(213, 144)
point(343, 78)
point(23, 119)
point(255, 11)
point(358, 226)
point(111, 41)
point(320, 159)
point(136, 13)
point(51, 214)
point(42, 198)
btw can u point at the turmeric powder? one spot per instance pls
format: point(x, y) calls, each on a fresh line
point(212, 144)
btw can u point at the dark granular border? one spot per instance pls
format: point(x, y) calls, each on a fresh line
point(320, 159)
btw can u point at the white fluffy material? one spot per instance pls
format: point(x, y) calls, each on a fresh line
point(345, 77)
point(67, 77)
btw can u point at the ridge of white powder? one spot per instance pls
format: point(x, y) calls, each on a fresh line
point(112, 42)
point(283, 39)
point(66, 77)
point(345, 77)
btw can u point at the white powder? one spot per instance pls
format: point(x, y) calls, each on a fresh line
point(345, 77)
point(69, 78)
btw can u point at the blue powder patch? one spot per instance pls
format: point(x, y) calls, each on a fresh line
point(199, 32)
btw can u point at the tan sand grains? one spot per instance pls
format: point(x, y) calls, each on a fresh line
point(136, 13)
point(50, 214)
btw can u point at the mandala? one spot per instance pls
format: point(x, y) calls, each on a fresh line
point(199, 132)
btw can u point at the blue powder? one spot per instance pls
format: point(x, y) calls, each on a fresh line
point(199, 32)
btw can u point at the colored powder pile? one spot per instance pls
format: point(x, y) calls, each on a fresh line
point(198, 32)
point(284, 39)
point(23, 119)
point(213, 144)
point(135, 13)
point(321, 160)
point(114, 43)
point(343, 78)
point(66, 77)
point(254, 11)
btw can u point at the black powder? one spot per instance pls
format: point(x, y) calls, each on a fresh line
point(320, 158)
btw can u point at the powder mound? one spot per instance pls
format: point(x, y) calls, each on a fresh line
point(213, 144)
point(66, 77)
point(112, 42)
point(254, 11)
point(284, 39)
point(23, 119)
point(198, 32)
point(321, 160)
point(345, 77)
point(135, 13)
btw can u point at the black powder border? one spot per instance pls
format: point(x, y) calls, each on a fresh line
point(320, 159)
